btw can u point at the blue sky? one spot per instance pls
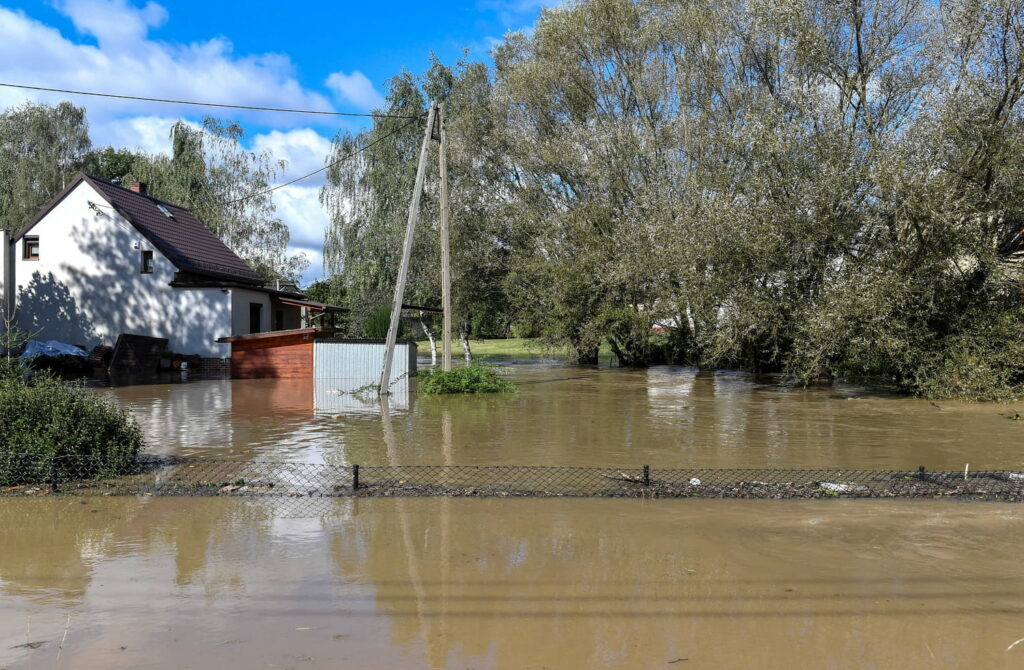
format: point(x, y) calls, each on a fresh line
point(320, 55)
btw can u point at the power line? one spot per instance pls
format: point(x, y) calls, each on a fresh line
point(326, 167)
point(208, 104)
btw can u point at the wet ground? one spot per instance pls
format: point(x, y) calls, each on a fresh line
point(573, 416)
point(448, 583)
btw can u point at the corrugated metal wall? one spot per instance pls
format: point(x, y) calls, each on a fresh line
point(360, 360)
point(341, 368)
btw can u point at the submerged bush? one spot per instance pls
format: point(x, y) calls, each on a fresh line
point(53, 428)
point(474, 378)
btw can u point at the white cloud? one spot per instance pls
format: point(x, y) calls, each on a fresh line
point(304, 150)
point(124, 60)
point(315, 271)
point(299, 207)
point(148, 133)
point(114, 23)
point(356, 89)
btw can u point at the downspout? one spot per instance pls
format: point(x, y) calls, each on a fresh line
point(6, 277)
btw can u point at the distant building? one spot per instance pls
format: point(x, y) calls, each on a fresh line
point(100, 260)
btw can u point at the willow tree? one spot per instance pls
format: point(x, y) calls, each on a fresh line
point(367, 196)
point(589, 105)
point(367, 193)
point(933, 301)
point(41, 148)
point(826, 189)
point(226, 187)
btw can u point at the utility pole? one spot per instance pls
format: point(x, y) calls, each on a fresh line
point(446, 261)
point(403, 269)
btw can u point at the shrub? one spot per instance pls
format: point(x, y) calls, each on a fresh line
point(474, 378)
point(378, 324)
point(54, 428)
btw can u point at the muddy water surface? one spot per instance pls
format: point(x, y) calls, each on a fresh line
point(666, 417)
point(443, 583)
point(107, 582)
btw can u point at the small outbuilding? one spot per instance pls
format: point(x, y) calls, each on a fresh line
point(315, 353)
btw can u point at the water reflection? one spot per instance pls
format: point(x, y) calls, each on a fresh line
point(666, 417)
point(356, 396)
point(500, 583)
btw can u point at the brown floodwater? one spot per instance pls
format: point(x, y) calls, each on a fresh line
point(581, 416)
point(455, 583)
point(141, 582)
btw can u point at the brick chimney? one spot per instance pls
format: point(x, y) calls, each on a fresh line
point(138, 187)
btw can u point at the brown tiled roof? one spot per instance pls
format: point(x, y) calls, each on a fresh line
point(184, 239)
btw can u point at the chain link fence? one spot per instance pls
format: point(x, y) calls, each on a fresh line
point(39, 475)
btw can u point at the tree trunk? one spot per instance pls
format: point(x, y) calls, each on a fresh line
point(464, 338)
point(586, 355)
point(430, 336)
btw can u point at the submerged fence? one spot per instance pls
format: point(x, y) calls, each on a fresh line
point(39, 475)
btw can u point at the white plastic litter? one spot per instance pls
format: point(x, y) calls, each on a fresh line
point(694, 481)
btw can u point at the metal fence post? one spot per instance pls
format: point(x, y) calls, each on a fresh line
point(647, 475)
point(53, 473)
point(355, 477)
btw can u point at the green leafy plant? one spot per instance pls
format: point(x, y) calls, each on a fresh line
point(55, 429)
point(474, 378)
point(378, 323)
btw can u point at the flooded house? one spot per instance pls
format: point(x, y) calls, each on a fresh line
point(100, 260)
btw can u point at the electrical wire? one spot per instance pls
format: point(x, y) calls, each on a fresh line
point(207, 104)
point(328, 166)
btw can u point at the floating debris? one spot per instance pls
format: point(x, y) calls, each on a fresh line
point(842, 488)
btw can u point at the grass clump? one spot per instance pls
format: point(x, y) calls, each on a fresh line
point(51, 429)
point(473, 378)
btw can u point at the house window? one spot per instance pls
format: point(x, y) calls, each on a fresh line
point(255, 316)
point(279, 319)
point(30, 248)
point(147, 262)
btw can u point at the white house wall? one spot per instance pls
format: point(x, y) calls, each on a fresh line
point(87, 288)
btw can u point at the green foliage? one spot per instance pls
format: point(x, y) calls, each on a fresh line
point(982, 359)
point(41, 148)
point(474, 378)
point(731, 169)
point(111, 164)
point(85, 432)
point(50, 427)
point(377, 325)
point(368, 199)
point(330, 291)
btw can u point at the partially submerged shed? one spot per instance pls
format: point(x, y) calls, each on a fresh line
point(314, 353)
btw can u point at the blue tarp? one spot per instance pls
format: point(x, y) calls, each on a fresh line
point(51, 348)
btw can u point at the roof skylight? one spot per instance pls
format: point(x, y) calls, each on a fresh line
point(166, 211)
